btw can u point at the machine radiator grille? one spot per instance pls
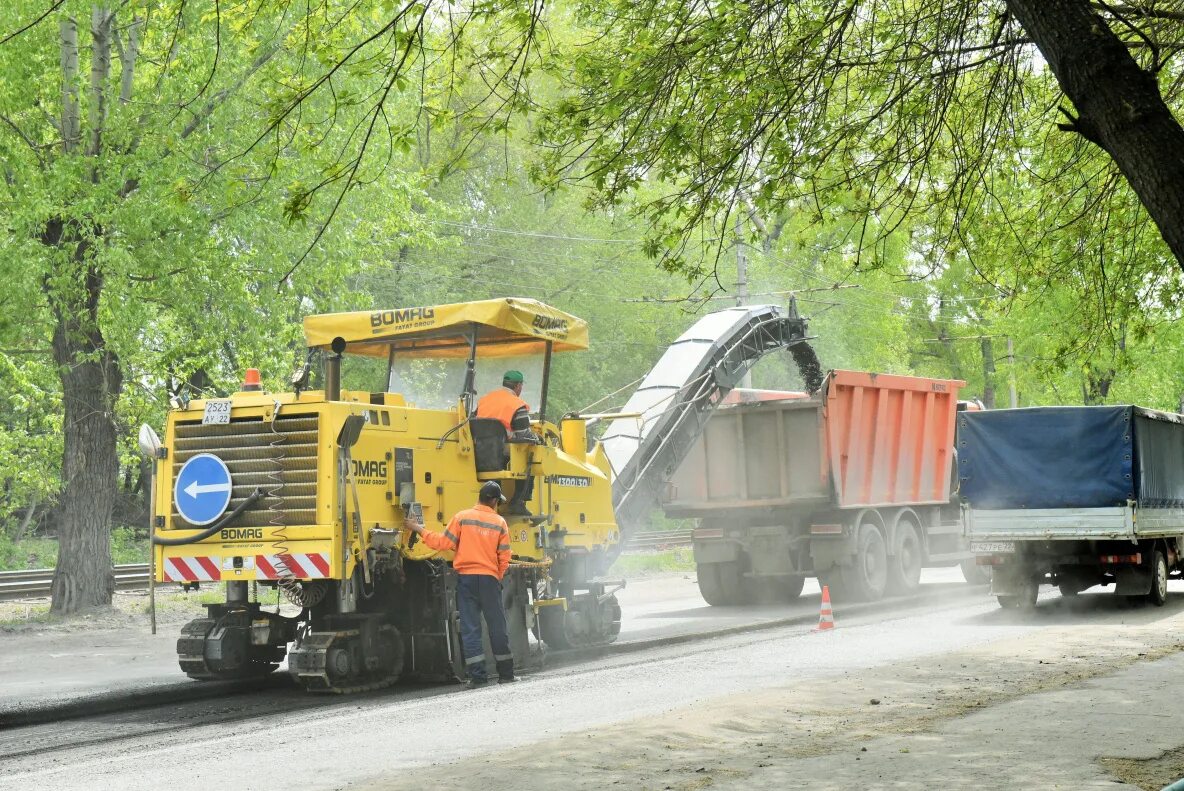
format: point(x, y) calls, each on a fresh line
point(281, 458)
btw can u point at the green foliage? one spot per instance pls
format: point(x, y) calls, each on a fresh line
point(272, 161)
point(31, 553)
point(641, 564)
point(41, 553)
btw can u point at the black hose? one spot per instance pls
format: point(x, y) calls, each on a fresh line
point(255, 496)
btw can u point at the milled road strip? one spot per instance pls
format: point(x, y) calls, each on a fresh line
point(913, 724)
point(184, 690)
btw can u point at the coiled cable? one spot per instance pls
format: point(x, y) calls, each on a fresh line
point(294, 591)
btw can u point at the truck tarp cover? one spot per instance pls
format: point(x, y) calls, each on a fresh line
point(1046, 457)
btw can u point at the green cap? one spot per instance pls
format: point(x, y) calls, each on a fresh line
point(512, 376)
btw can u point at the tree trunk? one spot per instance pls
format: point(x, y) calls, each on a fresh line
point(27, 520)
point(91, 383)
point(71, 123)
point(1096, 386)
point(1120, 107)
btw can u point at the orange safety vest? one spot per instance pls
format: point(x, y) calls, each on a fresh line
point(480, 538)
point(500, 404)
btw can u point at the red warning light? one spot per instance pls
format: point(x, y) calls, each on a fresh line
point(251, 380)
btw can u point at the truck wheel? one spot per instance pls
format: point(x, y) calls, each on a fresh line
point(791, 588)
point(1023, 599)
point(1159, 580)
point(721, 584)
point(974, 574)
point(868, 574)
point(904, 567)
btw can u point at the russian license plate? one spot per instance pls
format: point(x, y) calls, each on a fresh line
point(217, 412)
point(986, 547)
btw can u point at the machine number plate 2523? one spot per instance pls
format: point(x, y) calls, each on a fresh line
point(216, 412)
point(992, 546)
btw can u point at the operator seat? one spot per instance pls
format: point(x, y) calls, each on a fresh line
point(489, 444)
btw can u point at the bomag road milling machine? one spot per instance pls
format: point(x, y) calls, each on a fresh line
point(306, 493)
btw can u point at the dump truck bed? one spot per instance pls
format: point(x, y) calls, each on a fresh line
point(868, 440)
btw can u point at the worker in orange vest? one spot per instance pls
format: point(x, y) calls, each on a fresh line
point(481, 540)
point(506, 404)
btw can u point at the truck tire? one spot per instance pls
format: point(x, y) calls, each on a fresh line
point(774, 590)
point(904, 565)
point(867, 576)
point(791, 588)
point(1159, 580)
point(1023, 599)
point(721, 584)
point(974, 574)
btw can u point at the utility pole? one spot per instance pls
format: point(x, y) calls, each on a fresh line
point(741, 265)
point(988, 372)
point(1011, 370)
point(741, 282)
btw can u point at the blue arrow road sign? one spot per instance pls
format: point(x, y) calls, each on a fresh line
point(203, 488)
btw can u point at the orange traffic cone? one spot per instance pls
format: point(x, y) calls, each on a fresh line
point(826, 619)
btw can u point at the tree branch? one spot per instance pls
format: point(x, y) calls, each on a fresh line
point(57, 4)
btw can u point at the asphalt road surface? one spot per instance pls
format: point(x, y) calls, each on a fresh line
point(584, 723)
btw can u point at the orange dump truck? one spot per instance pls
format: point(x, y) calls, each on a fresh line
point(852, 485)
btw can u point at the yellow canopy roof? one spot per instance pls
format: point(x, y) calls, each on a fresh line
point(505, 327)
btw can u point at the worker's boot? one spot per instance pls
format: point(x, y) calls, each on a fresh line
point(505, 671)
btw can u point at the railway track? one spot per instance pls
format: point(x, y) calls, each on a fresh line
point(659, 539)
point(35, 583)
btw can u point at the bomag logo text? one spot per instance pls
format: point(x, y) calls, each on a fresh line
point(386, 318)
point(550, 324)
point(242, 534)
point(369, 469)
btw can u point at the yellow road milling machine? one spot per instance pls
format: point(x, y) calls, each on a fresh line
point(307, 494)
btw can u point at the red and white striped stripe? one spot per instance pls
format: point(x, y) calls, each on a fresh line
point(310, 566)
point(199, 569)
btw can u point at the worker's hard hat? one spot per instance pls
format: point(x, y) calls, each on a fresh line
point(492, 490)
point(512, 376)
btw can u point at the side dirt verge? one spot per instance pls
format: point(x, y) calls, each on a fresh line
point(1041, 711)
point(1150, 774)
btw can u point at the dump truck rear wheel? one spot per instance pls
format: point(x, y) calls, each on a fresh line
point(791, 588)
point(721, 584)
point(904, 566)
point(867, 575)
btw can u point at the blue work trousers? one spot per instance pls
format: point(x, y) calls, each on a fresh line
point(477, 595)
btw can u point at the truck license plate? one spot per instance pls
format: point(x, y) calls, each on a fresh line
point(986, 547)
point(217, 412)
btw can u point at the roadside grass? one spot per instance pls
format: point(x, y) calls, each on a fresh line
point(635, 564)
point(42, 553)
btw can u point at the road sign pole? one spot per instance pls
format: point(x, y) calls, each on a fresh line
point(151, 545)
